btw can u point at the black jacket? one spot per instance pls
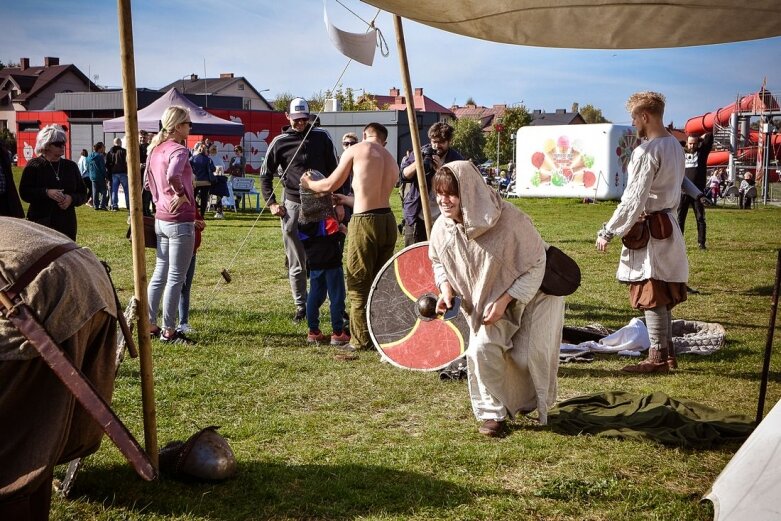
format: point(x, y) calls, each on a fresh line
point(10, 205)
point(116, 160)
point(323, 244)
point(317, 152)
point(37, 177)
point(697, 163)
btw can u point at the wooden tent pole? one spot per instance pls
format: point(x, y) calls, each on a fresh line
point(413, 122)
point(137, 226)
point(771, 329)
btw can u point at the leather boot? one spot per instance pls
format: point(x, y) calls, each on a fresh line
point(655, 363)
point(672, 362)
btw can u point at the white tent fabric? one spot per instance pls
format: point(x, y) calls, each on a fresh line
point(597, 24)
point(203, 122)
point(749, 487)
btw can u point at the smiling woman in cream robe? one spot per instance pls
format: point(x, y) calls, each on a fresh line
point(488, 252)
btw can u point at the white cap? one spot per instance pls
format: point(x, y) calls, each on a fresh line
point(299, 109)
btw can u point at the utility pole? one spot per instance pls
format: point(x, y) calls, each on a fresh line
point(513, 138)
point(499, 128)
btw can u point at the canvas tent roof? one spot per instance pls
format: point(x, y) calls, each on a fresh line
point(597, 24)
point(750, 484)
point(203, 122)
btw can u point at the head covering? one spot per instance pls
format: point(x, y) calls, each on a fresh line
point(299, 109)
point(494, 245)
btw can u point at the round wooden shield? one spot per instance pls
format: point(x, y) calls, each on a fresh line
point(403, 337)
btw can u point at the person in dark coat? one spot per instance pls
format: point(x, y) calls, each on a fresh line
point(10, 205)
point(696, 156)
point(52, 184)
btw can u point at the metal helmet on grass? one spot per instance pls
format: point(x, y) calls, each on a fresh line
point(205, 456)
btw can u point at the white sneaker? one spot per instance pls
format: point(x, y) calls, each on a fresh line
point(186, 329)
point(219, 215)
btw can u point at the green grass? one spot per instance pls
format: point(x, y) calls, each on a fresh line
point(321, 439)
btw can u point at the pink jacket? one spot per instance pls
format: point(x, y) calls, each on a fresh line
point(169, 173)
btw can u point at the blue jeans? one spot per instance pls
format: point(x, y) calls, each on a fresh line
point(116, 180)
point(322, 282)
point(175, 244)
point(99, 194)
point(184, 301)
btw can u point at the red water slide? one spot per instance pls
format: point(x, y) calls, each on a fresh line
point(721, 157)
point(757, 102)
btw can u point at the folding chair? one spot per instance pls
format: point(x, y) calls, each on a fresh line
point(229, 201)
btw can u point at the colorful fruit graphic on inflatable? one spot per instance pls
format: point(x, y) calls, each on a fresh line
point(589, 179)
point(538, 158)
point(560, 163)
point(626, 144)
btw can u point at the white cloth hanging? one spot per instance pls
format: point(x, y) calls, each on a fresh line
point(357, 46)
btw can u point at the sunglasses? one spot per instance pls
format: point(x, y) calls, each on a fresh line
point(188, 123)
point(58, 143)
point(348, 143)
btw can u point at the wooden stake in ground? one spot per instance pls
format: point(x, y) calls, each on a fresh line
point(137, 226)
point(771, 329)
point(413, 122)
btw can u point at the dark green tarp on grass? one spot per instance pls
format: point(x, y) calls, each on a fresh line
point(654, 417)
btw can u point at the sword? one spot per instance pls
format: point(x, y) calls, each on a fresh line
point(20, 315)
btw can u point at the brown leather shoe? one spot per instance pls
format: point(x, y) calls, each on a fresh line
point(655, 363)
point(672, 362)
point(492, 428)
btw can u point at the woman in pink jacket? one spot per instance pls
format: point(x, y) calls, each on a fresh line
point(169, 178)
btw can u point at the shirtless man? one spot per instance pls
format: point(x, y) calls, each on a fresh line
point(372, 231)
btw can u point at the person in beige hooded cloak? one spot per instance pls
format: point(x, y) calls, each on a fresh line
point(489, 253)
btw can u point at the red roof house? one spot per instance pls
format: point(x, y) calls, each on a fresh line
point(396, 101)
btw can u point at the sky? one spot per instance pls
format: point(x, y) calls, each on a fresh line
point(283, 46)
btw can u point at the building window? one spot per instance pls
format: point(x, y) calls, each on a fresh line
point(241, 86)
point(3, 124)
point(29, 126)
point(247, 104)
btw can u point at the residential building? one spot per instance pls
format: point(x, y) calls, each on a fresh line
point(395, 101)
point(226, 85)
point(486, 116)
point(560, 117)
point(26, 88)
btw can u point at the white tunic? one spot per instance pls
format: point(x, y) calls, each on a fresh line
point(656, 172)
point(512, 363)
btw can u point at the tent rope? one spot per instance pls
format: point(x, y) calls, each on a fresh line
point(276, 183)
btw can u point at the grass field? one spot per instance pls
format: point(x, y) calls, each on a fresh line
point(317, 438)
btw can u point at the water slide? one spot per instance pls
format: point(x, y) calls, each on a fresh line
point(721, 157)
point(756, 102)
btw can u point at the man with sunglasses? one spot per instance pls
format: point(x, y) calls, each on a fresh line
point(300, 147)
point(349, 140)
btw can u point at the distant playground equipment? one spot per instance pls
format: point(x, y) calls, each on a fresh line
point(738, 145)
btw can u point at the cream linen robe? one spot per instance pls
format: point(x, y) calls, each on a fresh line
point(512, 364)
point(656, 172)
